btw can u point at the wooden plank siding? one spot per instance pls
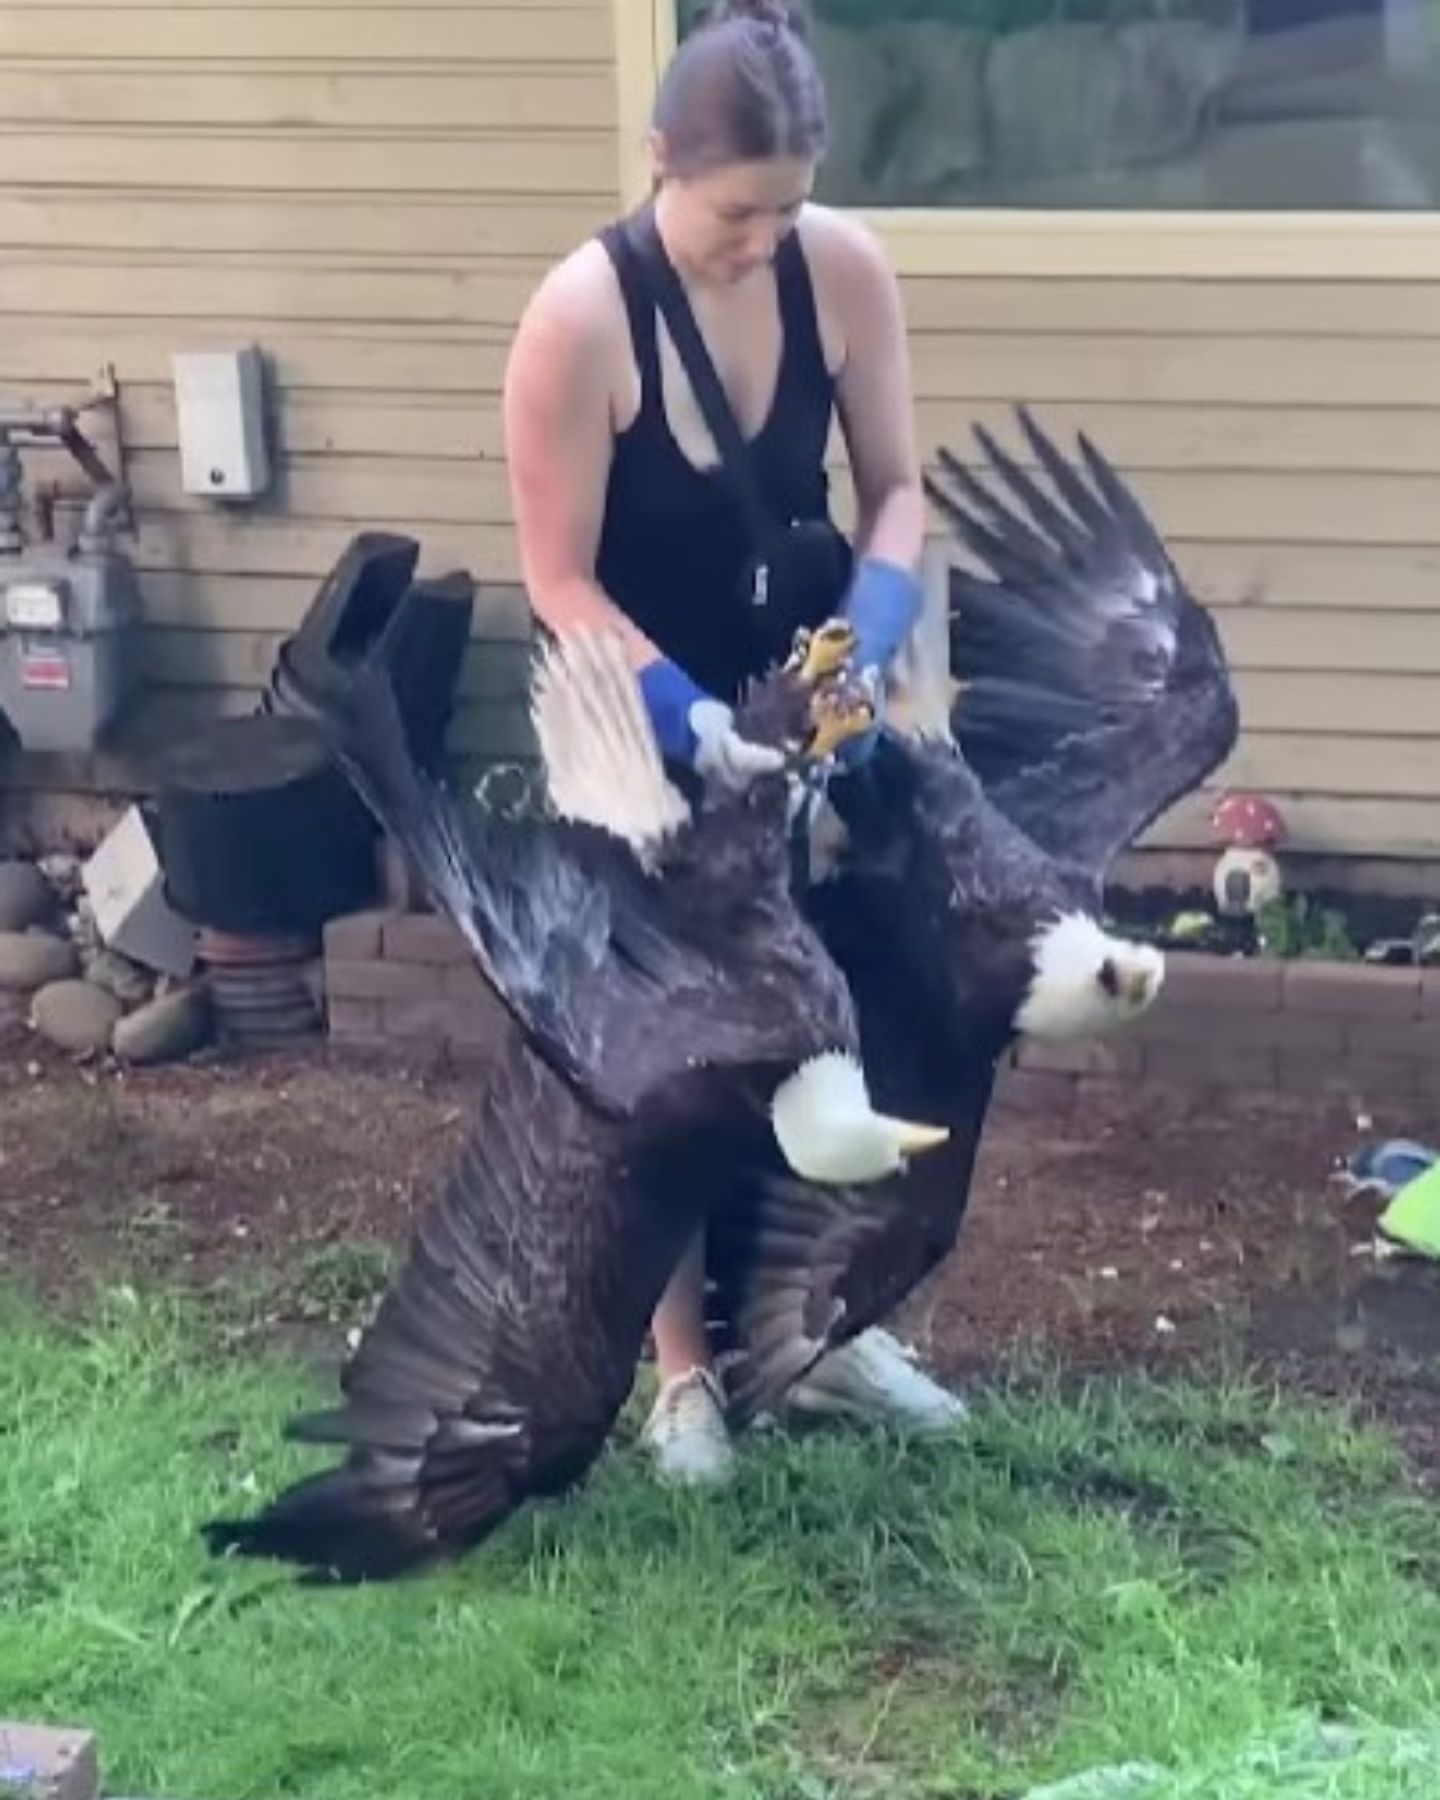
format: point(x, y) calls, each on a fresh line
point(1286, 436)
point(370, 192)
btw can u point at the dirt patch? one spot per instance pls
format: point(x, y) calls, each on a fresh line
point(1136, 1228)
point(211, 1174)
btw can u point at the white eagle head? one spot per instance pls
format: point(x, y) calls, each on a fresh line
point(1086, 981)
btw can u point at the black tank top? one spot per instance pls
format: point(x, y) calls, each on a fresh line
point(674, 546)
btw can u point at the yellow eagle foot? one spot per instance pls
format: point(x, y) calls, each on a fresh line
point(821, 653)
point(837, 714)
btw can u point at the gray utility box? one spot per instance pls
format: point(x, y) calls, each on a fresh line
point(69, 644)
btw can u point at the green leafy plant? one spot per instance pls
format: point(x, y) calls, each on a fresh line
point(1293, 926)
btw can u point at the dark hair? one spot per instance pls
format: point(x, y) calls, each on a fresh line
point(742, 87)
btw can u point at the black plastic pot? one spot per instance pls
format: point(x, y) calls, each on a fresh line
point(258, 831)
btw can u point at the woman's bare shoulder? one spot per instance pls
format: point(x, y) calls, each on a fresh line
point(577, 303)
point(842, 248)
point(851, 275)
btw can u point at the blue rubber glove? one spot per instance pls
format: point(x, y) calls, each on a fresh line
point(694, 728)
point(881, 608)
point(669, 693)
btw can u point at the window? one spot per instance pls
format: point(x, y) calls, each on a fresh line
point(1131, 105)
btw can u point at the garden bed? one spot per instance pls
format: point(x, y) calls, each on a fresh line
point(403, 984)
point(1325, 923)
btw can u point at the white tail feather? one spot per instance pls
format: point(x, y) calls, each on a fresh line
point(602, 764)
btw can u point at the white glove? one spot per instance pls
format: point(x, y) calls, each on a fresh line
point(722, 756)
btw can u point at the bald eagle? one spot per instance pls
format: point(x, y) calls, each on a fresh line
point(967, 904)
point(676, 1018)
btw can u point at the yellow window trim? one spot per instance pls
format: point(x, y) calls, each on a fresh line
point(1274, 246)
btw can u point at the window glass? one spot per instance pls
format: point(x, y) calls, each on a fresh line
point(1220, 104)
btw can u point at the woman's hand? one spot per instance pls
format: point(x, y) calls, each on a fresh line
point(881, 608)
point(694, 728)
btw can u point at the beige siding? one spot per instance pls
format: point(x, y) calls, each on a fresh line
point(370, 193)
point(367, 192)
point(1286, 436)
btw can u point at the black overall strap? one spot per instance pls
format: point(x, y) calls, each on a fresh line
point(715, 407)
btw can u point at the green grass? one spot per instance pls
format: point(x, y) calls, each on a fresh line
point(1191, 1577)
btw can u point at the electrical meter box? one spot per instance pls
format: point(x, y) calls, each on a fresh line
point(69, 644)
point(220, 414)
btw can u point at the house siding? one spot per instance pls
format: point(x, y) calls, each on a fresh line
point(370, 194)
point(1286, 438)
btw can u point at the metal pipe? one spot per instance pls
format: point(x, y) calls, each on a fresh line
point(107, 506)
point(11, 476)
point(43, 421)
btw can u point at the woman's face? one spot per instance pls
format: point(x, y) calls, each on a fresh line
point(726, 223)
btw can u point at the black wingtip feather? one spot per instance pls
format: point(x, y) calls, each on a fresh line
point(1052, 519)
point(342, 1525)
point(1071, 489)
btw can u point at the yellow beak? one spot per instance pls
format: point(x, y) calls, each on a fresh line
point(915, 1140)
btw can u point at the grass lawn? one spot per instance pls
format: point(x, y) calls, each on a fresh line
point(1189, 1576)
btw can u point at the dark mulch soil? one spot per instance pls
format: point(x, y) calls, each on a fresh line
point(1126, 1229)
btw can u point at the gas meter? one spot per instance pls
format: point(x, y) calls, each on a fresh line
point(69, 615)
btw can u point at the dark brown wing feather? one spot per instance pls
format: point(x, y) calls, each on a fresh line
point(500, 1356)
point(1094, 688)
point(647, 1020)
point(1095, 694)
point(798, 1271)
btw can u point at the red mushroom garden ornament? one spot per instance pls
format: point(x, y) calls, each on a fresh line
point(1247, 876)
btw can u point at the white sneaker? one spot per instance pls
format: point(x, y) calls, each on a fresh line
point(875, 1377)
point(686, 1434)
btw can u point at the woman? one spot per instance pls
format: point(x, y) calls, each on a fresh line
point(626, 521)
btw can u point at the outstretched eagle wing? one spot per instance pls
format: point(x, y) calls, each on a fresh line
point(1094, 691)
point(549, 909)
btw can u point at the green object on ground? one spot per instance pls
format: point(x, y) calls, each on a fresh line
point(1413, 1217)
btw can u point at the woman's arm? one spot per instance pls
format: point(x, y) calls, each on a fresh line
point(559, 428)
point(559, 438)
point(861, 307)
point(874, 399)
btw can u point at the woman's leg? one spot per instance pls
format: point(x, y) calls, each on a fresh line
point(679, 1323)
point(686, 1429)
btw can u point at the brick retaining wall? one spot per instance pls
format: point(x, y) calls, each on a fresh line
point(406, 981)
point(1264, 1026)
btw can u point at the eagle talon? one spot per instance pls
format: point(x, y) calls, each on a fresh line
point(836, 718)
point(819, 654)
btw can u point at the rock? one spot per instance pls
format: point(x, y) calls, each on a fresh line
point(81, 928)
point(26, 897)
point(127, 981)
point(165, 1030)
point(29, 959)
point(1120, 1781)
point(63, 872)
point(75, 1016)
point(46, 1763)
